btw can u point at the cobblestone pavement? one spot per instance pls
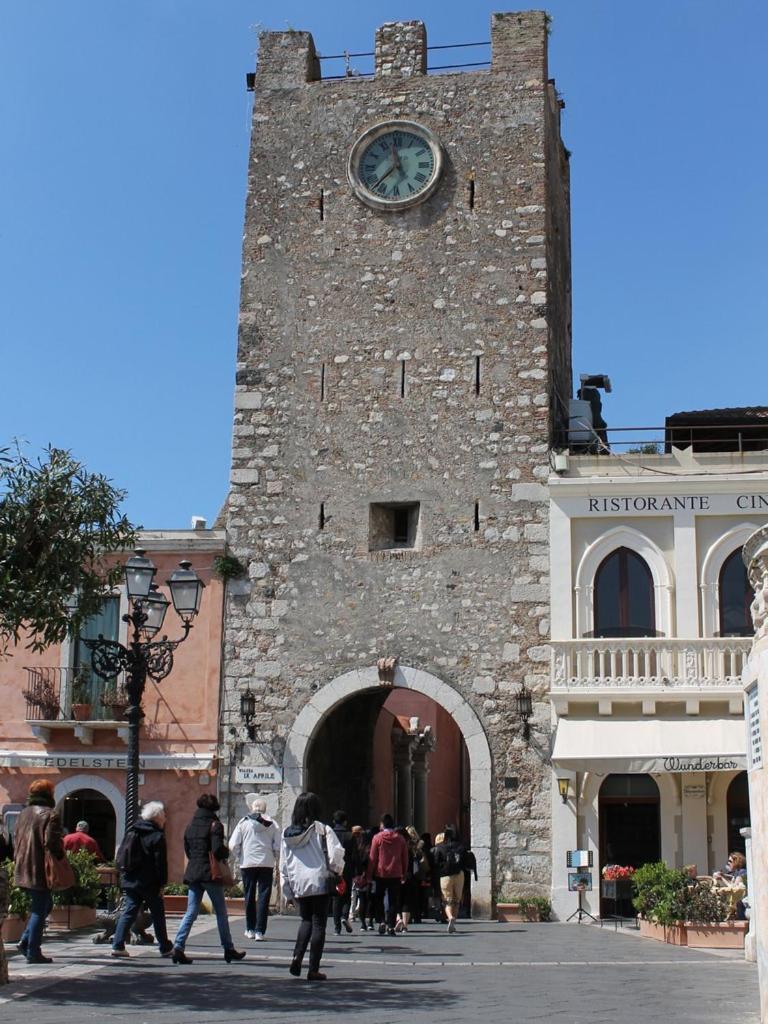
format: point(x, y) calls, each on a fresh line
point(568, 973)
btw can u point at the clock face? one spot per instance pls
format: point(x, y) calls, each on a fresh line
point(395, 165)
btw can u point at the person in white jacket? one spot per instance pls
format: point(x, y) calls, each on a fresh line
point(255, 843)
point(311, 858)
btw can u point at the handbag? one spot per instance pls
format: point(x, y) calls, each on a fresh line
point(334, 881)
point(220, 869)
point(58, 872)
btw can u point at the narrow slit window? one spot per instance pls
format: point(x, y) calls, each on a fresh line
point(477, 375)
point(321, 204)
point(402, 378)
point(471, 193)
point(322, 382)
point(321, 516)
point(477, 517)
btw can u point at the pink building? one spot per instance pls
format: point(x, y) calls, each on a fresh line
point(56, 720)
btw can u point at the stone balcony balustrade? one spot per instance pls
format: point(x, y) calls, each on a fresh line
point(648, 670)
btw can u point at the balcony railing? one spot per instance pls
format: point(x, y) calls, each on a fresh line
point(651, 662)
point(48, 694)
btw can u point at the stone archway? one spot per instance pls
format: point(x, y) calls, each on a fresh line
point(339, 689)
point(73, 783)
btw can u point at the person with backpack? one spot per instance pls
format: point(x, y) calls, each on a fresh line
point(449, 858)
point(311, 859)
point(142, 860)
point(255, 844)
point(205, 849)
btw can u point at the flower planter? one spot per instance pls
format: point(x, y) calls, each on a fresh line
point(72, 917)
point(725, 935)
point(235, 906)
point(13, 928)
point(175, 904)
point(511, 913)
point(81, 712)
point(672, 934)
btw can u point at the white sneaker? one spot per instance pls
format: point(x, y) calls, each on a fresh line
point(250, 935)
point(451, 927)
point(257, 936)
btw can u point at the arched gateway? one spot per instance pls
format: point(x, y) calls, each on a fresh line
point(357, 681)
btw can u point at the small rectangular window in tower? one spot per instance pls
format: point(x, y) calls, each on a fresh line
point(477, 375)
point(393, 525)
point(322, 382)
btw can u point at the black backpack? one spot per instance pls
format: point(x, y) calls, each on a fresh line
point(454, 860)
point(130, 852)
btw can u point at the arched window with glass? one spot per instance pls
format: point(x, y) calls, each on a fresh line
point(623, 595)
point(735, 596)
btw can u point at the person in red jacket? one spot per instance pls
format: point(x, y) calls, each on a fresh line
point(387, 868)
point(81, 839)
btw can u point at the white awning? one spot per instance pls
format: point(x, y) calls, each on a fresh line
point(651, 745)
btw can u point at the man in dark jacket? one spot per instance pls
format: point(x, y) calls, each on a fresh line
point(341, 901)
point(387, 867)
point(450, 859)
point(38, 831)
point(144, 878)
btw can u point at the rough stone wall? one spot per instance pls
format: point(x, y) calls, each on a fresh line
point(336, 300)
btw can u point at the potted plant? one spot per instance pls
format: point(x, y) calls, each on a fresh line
point(535, 908)
point(42, 695)
point(18, 908)
point(175, 898)
point(76, 907)
point(81, 698)
point(660, 898)
point(235, 899)
point(115, 698)
point(708, 922)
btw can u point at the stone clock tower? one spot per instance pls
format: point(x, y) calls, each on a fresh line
point(403, 362)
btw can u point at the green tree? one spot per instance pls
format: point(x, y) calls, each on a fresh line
point(57, 522)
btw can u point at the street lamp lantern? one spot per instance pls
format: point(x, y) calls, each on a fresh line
point(155, 607)
point(524, 707)
point(186, 591)
point(139, 573)
point(248, 710)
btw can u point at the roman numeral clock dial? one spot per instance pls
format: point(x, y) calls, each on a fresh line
point(395, 165)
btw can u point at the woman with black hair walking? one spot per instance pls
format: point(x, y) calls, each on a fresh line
point(311, 859)
point(204, 842)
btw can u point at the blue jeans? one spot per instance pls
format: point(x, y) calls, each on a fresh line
point(42, 901)
point(133, 901)
point(215, 891)
point(253, 879)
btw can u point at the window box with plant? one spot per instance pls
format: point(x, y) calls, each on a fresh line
point(175, 898)
point(81, 695)
point(115, 700)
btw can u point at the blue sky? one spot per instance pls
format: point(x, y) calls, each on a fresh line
point(122, 182)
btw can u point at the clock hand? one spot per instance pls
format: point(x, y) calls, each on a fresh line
point(386, 175)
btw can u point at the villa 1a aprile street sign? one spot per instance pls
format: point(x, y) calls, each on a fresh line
point(260, 774)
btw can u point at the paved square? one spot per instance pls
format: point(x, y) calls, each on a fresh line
point(548, 972)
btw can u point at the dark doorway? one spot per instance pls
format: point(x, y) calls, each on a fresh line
point(630, 826)
point(736, 595)
point(737, 804)
point(93, 807)
point(624, 601)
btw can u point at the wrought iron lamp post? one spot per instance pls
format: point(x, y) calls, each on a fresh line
point(144, 656)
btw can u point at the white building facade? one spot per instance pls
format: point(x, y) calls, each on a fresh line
point(650, 633)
